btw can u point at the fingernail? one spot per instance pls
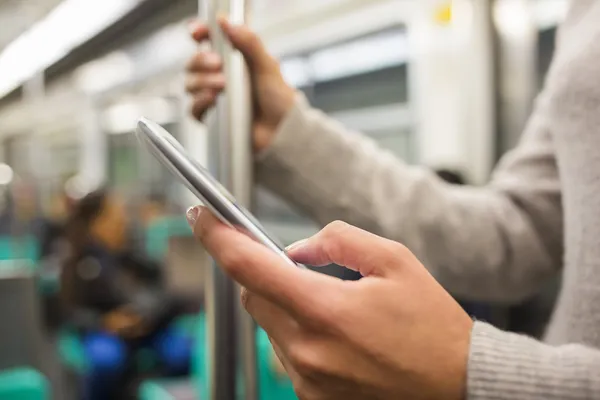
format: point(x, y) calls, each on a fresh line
point(296, 245)
point(192, 215)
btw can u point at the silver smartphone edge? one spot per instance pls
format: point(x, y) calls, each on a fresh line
point(199, 181)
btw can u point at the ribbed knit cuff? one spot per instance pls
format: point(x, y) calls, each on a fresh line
point(507, 366)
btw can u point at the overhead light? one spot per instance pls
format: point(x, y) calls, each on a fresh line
point(70, 24)
point(122, 117)
point(6, 174)
point(101, 74)
point(514, 18)
point(549, 13)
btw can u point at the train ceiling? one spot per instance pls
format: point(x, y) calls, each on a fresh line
point(18, 15)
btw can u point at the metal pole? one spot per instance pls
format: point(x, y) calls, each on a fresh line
point(230, 159)
point(516, 69)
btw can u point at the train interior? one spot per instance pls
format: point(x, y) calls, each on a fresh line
point(445, 84)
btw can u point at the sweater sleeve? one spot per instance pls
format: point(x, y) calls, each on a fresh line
point(478, 242)
point(507, 366)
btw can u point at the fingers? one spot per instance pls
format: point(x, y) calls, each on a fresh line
point(205, 78)
point(261, 270)
point(195, 83)
point(204, 74)
point(241, 37)
point(273, 319)
point(199, 31)
point(205, 61)
point(202, 102)
point(356, 249)
point(248, 43)
point(204, 81)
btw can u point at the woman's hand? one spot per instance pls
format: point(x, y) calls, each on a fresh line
point(272, 96)
point(395, 334)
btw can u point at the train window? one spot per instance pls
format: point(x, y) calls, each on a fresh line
point(133, 172)
point(123, 162)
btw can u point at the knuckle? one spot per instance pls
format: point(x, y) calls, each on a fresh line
point(331, 235)
point(192, 62)
point(304, 359)
point(190, 82)
point(335, 229)
point(196, 61)
point(401, 250)
point(326, 315)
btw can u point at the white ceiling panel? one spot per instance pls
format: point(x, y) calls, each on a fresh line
point(18, 15)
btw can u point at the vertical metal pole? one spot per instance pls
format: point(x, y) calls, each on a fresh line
point(516, 38)
point(39, 165)
point(34, 91)
point(230, 159)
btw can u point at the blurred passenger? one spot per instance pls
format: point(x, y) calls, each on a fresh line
point(152, 209)
point(53, 252)
point(51, 227)
point(538, 217)
point(19, 209)
point(115, 298)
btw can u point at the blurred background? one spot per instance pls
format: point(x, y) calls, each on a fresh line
point(447, 84)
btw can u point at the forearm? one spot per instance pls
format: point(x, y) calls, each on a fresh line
point(507, 366)
point(477, 242)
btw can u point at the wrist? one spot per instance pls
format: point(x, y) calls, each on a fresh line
point(267, 128)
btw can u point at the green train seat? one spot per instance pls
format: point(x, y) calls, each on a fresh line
point(271, 385)
point(23, 384)
point(22, 248)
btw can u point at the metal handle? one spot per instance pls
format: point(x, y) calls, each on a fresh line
point(231, 331)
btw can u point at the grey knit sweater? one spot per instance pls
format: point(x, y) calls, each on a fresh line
point(539, 216)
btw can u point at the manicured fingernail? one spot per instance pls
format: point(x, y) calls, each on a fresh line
point(296, 245)
point(192, 215)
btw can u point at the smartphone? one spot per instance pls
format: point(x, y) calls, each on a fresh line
point(203, 185)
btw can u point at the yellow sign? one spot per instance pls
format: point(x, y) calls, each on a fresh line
point(443, 13)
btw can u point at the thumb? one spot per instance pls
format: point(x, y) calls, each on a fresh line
point(353, 248)
point(248, 43)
